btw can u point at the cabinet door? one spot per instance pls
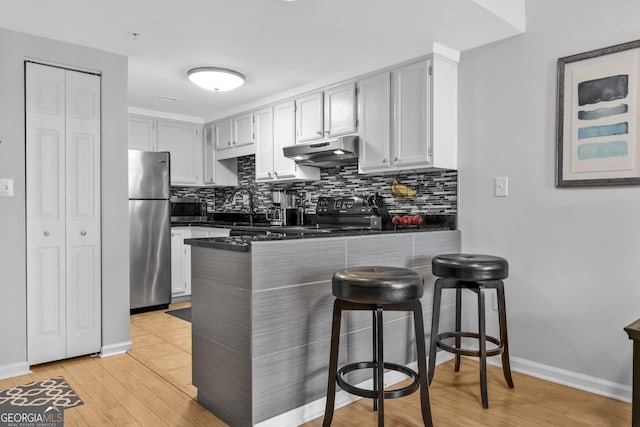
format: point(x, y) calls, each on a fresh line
point(83, 213)
point(223, 134)
point(142, 134)
point(374, 112)
point(309, 117)
point(411, 94)
point(209, 155)
point(264, 144)
point(184, 144)
point(340, 110)
point(242, 130)
point(284, 134)
point(180, 262)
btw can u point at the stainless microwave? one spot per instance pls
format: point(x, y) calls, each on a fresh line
point(188, 209)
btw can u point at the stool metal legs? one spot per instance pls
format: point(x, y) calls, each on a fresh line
point(502, 312)
point(425, 405)
point(502, 344)
point(378, 393)
point(333, 363)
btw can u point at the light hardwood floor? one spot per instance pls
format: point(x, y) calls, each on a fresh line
point(151, 386)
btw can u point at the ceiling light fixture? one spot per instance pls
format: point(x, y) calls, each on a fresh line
point(216, 79)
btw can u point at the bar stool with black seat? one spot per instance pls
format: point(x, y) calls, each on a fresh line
point(378, 289)
point(476, 273)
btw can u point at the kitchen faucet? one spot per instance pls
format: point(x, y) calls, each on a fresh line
point(252, 191)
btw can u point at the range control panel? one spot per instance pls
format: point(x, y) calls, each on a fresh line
point(336, 206)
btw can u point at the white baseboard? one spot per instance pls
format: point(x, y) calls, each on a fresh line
point(315, 409)
point(14, 370)
point(115, 349)
point(569, 378)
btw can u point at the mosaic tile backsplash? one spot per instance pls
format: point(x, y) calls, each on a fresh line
point(437, 191)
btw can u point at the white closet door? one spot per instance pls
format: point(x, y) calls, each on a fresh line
point(45, 169)
point(63, 213)
point(83, 213)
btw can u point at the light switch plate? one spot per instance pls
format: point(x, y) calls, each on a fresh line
point(502, 186)
point(6, 187)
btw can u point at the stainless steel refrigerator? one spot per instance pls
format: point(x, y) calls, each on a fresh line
point(149, 230)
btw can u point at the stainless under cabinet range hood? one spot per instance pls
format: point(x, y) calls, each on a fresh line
point(325, 153)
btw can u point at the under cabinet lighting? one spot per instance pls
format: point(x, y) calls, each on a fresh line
point(216, 79)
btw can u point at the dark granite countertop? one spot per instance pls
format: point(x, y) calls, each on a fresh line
point(243, 243)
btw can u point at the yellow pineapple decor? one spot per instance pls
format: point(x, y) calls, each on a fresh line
point(401, 190)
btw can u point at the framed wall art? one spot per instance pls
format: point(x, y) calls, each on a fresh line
point(598, 101)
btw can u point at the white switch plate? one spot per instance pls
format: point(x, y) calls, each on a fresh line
point(6, 187)
point(502, 186)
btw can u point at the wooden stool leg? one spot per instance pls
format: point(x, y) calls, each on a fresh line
point(482, 342)
point(333, 363)
point(458, 326)
point(502, 316)
point(380, 364)
point(425, 405)
point(374, 323)
point(435, 319)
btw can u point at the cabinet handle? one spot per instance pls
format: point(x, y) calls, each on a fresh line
point(46, 233)
point(319, 132)
point(395, 159)
point(83, 233)
point(327, 132)
point(384, 160)
point(229, 143)
point(269, 174)
point(275, 174)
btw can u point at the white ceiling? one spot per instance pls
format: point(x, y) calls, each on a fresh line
point(278, 45)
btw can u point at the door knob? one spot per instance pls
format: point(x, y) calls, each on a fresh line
point(83, 233)
point(46, 233)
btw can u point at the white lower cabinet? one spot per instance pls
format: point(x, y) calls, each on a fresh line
point(181, 257)
point(62, 213)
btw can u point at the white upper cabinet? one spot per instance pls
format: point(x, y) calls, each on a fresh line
point(234, 136)
point(340, 110)
point(374, 112)
point(309, 117)
point(420, 129)
point(184, 142)
point(275, 129)
point(222, 131)
point(243, 130)
point(217, 172)
point(326, 114)
point(264, 144)
point(142, 134)
point(411, 97)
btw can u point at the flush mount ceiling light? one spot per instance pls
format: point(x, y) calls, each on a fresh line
point(216, 79)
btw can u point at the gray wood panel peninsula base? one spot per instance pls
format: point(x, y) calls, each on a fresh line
point(261, 317)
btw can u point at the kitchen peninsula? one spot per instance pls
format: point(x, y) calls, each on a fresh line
point(261, 316)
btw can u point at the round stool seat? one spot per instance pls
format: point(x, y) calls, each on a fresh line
point(377, 285)
point(470, 267)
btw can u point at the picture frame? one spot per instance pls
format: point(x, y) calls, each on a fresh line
point(597, 112)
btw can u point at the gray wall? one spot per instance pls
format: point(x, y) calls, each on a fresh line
point(573, 253)
point(14, 48)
